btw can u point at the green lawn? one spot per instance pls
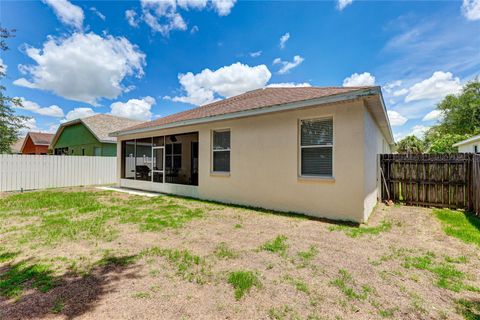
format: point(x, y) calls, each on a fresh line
point(84, 252)
point(49, 217)
point(462, 225)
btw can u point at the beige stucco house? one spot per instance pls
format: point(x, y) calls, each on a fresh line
point(469, 145)
point(305, 150)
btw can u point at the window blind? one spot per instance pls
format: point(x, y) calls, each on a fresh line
point(316, 144)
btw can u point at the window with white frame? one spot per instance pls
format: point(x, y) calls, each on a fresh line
point(316, 147)
point(221, 151)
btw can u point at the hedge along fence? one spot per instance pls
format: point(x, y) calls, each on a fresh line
point(438, 180)
point(30, 172)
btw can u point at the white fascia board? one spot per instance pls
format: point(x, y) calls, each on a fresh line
point(472, 139)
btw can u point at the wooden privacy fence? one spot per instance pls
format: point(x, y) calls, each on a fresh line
point(29, 172)
point(476, 184)
point(438, 180)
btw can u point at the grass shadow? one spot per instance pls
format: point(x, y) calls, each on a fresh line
point(6, 256)
point(287, 214)
point(31, 291)
point(469, 309)
point(473, 219)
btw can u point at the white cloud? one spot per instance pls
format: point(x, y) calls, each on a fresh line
point(223, 7)
point(288, 65)
point(29, 124)
point(83, 67)
point(204, 87)
point(52, 128)
point(255, 54)
point(398, 136)
point(391, 85)
point(433, 115)
point(163, 15)
point(471, 9)
point(131, 17)
point(284, 39)
point(189, 4)
point(194, 29)
point(342, 4)
point(79, 113)
point(68, 13)
point(419, 131)
point(3, 67)
point(400, 92)
point(437, 86)
point(359, 80)
point(396, 119)
point(288, 85)
point(51, 111)
point(139, 109)
point(98, 13)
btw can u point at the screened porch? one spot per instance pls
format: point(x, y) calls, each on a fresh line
point(162, 159)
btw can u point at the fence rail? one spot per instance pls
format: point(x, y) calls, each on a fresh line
point(438, 180)
point(29, 172)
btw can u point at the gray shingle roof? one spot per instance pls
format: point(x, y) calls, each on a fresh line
point(16, 147)
point(102, 124)
point(255, 99)
point(40, 138)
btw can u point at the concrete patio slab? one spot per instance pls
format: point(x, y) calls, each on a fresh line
point(131, 191)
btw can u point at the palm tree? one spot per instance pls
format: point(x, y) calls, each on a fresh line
point(410, 145)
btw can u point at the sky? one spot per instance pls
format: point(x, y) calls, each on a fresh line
point(148, 59)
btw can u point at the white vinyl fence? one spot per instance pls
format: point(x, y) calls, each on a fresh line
point(29, 172)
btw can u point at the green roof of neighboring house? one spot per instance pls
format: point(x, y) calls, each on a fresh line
point(99, 126)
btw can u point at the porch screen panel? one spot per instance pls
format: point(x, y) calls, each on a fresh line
point(128, 159)
point(143, 155)
point(316, 144)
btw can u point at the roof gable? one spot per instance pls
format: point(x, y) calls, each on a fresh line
point(100, 126)
point(37, 138)
point(75, 134)
point(40, 138)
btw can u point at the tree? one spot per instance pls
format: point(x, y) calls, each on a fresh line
point(460, 119)
point(461, 112)
point(10, 123)
point(410, 145)
point(443, 143)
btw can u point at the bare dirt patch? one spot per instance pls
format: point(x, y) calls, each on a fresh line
point(409, 269)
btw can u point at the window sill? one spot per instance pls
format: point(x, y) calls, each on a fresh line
point(316, 179)
point(220, 174)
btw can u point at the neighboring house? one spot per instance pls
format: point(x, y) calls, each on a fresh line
point(305, 150)
point(89, 136)
point(469, 145)
point(16, 147)
point(36, 143)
